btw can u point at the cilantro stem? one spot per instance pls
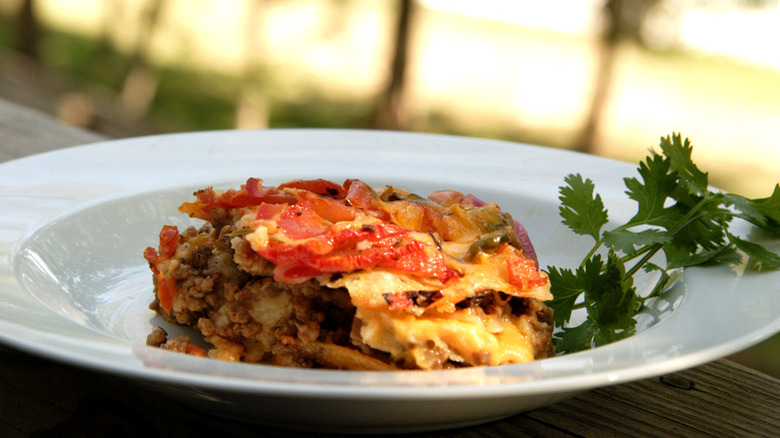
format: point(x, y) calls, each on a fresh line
point(653, 249)
point(592, 252)
point(691, 216)
point(635, 254)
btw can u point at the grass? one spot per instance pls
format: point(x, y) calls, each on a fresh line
point(704, 74)
point(185, 100)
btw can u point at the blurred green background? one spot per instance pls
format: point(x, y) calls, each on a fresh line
point(606, 77)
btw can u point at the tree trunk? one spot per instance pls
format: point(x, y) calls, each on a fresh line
point(140, 85)
point(27, 34)
point(252, 107)
point(586, 142)
point(390, 113)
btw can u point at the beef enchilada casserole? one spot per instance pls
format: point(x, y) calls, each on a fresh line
point(312, 273)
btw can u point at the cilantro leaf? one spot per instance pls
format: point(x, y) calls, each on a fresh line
point(678, 256)
point(628, 242)
point(668, 277)
point(650, 194)
point(573, 339)
point(679, 153)
point(764, 212)
point(770, 206)
point(581, 211)
point(609, 297)
point(759, 258)
point(700, 234)
point(730, 255)
point(611, 300)
point(676, 214)
point(567, 286)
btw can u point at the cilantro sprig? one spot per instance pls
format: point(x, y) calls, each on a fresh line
point(677, 214)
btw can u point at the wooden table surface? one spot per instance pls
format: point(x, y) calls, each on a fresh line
point(42, 398)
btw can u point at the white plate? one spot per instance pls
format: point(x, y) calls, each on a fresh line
point(74, 285)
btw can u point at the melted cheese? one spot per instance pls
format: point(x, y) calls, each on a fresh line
point(367, 287)
point(467, 336)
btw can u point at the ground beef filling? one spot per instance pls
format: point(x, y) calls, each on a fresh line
point(226, 292)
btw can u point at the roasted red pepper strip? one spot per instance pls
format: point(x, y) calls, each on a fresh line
point(195, 350)
point(166, 291)
point(150, 254)
point(169, 239)
point(166, 286)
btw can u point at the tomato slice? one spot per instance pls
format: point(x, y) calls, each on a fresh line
point(329, 241)
point(269, 211)
point(257, 193)
point(410, 257)
point(300, 221)
point(522, 272)
point(252, 193)
point(360, 195)
point(319, 186)
point(312, 245)
point(319, 248)
point(317, 227)
point(327, 208)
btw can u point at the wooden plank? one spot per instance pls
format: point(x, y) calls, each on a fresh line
point(717, 399)
point(27, 132)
